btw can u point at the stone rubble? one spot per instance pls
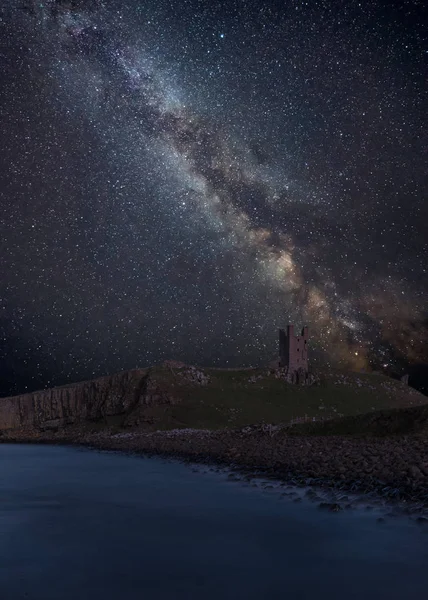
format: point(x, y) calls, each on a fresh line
point(195, 375)
point(394, 467)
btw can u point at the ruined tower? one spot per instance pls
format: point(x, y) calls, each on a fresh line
point(293, 353)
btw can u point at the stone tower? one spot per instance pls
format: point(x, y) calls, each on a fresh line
point(293, 352)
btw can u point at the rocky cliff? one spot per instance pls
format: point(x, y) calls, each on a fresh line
point(175, 395)
point(124, 394)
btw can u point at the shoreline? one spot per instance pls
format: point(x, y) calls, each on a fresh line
point(392, 471)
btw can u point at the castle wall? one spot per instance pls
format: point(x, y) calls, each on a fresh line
point(284, 349)
point(293, 350)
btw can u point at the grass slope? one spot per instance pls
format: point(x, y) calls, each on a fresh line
point(397, 421)
point(232, 400)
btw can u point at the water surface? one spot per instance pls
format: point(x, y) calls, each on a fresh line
point(79, 524)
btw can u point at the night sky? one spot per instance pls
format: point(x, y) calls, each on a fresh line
point(179, 178)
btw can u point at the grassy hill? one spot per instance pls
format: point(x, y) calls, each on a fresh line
point(396, 421)
point(174, 396)
point(235, 398)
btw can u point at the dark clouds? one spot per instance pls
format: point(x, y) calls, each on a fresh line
point(182, 180)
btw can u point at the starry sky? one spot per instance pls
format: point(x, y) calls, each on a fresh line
point(178, 179)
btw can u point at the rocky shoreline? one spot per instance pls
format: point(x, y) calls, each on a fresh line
point(391, 469)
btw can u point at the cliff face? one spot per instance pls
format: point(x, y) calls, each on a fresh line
point(125, 394)
point(176, 395)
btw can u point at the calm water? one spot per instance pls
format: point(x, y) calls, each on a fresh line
point(78, 524)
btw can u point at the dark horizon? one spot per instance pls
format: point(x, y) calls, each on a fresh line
point(418, 379)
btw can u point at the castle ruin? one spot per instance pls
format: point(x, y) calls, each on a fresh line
point(293, 354)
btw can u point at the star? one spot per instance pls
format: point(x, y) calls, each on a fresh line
point(160, 192)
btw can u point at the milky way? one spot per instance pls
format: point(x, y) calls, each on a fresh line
point(181, 179)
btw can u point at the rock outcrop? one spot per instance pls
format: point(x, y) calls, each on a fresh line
point(124, 394)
